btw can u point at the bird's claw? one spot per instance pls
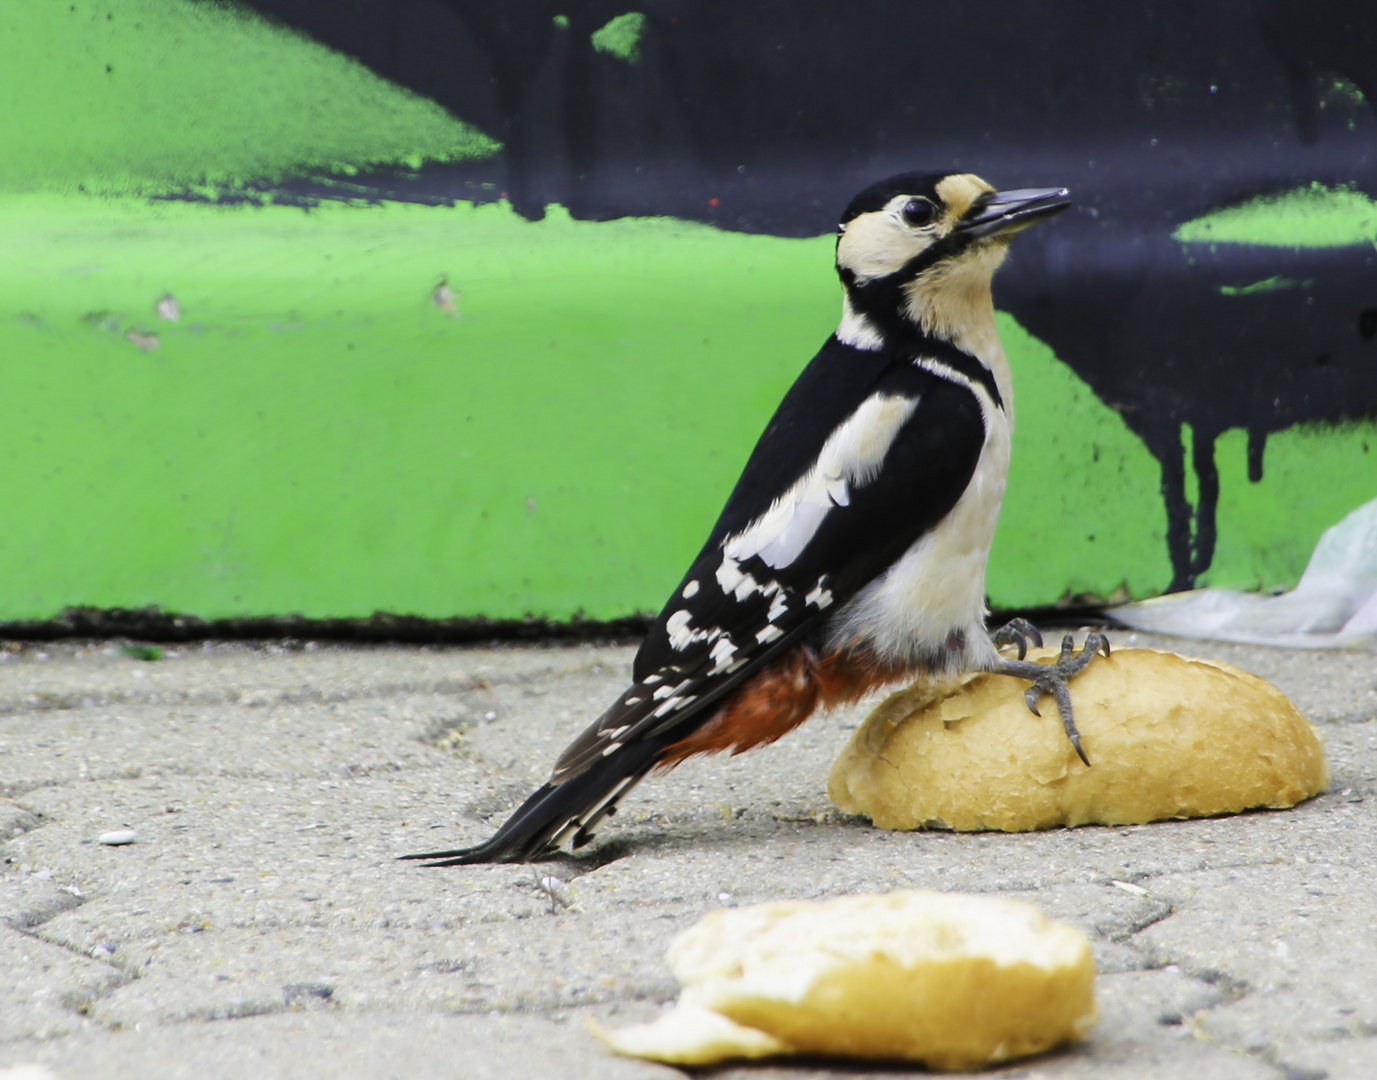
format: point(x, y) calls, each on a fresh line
point(1053, 678)
point(1017, 632)
point(1070, 663)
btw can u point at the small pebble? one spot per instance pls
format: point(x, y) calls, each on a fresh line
point(117, 837)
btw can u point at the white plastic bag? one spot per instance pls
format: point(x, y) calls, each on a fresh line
point(1333, 606)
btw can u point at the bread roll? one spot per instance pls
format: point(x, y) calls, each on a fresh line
point(954, 981)
point(1167, 736)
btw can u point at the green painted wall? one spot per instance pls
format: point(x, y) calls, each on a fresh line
point(152, 96)
point(325, 430)
point(316, 434)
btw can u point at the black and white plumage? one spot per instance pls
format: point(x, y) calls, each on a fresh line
point(852, 550)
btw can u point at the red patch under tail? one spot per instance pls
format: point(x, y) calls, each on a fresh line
point(775, 701)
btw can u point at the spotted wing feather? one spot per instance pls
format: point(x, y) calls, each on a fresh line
point(717, 637)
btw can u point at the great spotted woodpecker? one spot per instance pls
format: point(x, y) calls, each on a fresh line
point(852, 551)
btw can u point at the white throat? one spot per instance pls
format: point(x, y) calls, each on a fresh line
point(856, 330)
point(953, 302)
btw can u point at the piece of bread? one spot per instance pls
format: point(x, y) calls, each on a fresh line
point(1167, 737)
point(954, 981)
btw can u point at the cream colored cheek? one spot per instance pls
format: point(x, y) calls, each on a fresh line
point(871, 249)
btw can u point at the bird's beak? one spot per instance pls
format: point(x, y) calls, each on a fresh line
point(1009, 211)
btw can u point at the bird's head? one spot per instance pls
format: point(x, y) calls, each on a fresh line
point(921, 248)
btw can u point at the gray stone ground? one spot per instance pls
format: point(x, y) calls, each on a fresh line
point(260, 927)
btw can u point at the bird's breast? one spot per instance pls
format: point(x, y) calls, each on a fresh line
point(928, 608)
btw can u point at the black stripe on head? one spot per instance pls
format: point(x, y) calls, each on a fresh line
point(882, 299)
point(877, 195)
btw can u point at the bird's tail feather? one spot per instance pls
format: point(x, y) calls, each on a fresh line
point(558, 812)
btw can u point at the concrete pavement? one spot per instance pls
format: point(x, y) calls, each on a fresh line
point(259, 925)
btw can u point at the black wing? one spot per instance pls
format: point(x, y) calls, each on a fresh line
point(792, 544)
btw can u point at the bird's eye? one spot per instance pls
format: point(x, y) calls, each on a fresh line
point(918, 212)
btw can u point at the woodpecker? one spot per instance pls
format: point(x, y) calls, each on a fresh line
point(852, 551)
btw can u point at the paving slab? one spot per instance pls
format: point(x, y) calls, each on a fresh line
point(303, 1044)
point(259, 923)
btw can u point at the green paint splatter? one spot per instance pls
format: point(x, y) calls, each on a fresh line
point(153, 96)
point(1271, 284)
point(1341, 89)
point(562, 21)
point(621, 37)
point(1268, 530)
point(1310, 216)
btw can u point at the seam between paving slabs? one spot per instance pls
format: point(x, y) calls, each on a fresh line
point(53, 701)
point(123, 972)
point(40, 701)
point(296, 997)
point(437, 730)
point(1266, 1055)
point(1234, 990)
point(15, 791)
point(1161, 911)
point(120, 971)
point(26, 821)
point(80, 1001)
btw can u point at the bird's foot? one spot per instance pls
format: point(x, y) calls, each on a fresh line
point(1053, 678)
point(1017, 632)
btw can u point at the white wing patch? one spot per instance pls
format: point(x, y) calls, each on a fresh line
point(682, 635)
point(778, 606)
point(736, 582)
point(722, 653)
point(851, 457)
